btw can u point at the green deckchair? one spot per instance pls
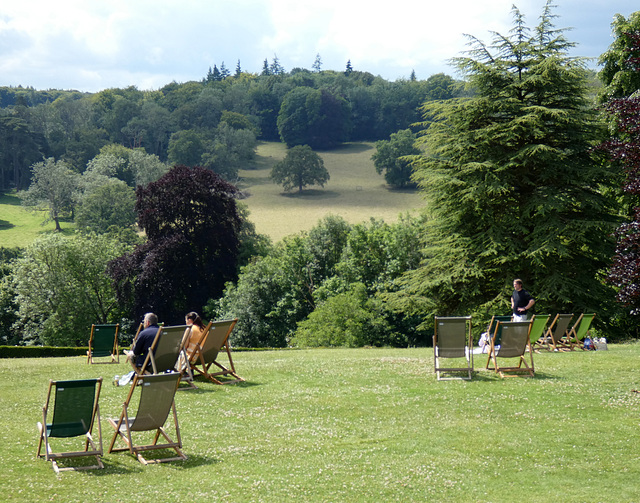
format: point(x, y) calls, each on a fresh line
point(75, 411)
point(103, 341)
point(166, 351)
point(513, 343)
point(157, 394)
point(538, 328)
point(452, 339)
point(206, 353)
point(555, 338)
point(579, 330)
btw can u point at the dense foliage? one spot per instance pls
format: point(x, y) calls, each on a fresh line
point(513, 188)
point(620, 72)
point(212, 123)
point(192, 226)
point(60, 288)
point(393, 158)
point(624, 148)
point(333, 270)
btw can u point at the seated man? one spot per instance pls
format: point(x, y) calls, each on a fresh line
point(143, 342)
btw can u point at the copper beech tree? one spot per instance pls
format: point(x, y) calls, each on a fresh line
point(192, 226)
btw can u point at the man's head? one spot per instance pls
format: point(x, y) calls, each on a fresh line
point(517, 284)
point(150, 319)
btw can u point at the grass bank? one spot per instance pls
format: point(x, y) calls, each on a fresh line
point(355, 191)
point(355, 425)
point(19, 227)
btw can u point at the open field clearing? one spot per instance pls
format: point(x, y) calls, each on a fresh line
point(355, 192)
point(355, 425)
point(18, 226)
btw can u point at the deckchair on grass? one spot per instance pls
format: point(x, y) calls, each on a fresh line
point(579, 330)
point(103, 341)
point(165, 352)
point(538, 328)
point(555, 338)
point(75, 411)
point(452, 339)
point(157, 400)
point(511, 340)
point(206, 354)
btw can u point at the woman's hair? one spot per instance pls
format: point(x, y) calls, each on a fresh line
point(195, 317)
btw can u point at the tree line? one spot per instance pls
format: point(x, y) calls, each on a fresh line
point(212, 123)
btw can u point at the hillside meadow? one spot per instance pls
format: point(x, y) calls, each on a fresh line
point(19, 227)
point(355, 192)
point(354, 425)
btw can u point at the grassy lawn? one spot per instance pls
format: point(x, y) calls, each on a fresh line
point(355, 425)
point(355, 192)
point(19, 227)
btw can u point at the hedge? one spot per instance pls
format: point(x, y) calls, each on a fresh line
point(40, 351)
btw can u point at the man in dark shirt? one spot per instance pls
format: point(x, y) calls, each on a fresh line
point(143, 342)
point(521, 301)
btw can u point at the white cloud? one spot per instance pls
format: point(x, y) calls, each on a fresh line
point(116, 43)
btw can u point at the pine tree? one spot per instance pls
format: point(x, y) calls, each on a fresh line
point(238, 70)
point(276, 68)
point(317, 64)
point(511, 184)
point(349, 68)
point(265, 68)
point(224, 71)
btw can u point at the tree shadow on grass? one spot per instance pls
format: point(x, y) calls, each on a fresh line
point(10, 199)
point(4, 224)
point(314, 194)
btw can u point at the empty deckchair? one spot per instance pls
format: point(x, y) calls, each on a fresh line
point(579, 330)
point(206, 354)
point(511, 340)
point(165, 352)
point(555, 338)
point(75, 411)
point(538, 328)
point(103, 341)
point(452, 339)
point(157, 394)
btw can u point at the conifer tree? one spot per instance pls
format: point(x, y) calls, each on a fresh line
point(512, 186)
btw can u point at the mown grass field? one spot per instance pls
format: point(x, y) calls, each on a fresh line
point(18, 226)
point(355, 191)
point(355, 425)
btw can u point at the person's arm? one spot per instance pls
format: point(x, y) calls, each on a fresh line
point(529, 304)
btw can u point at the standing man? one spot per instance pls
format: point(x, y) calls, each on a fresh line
point(143, 342)
point(521, 301)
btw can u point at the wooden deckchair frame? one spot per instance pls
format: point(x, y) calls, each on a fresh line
point(555, 338)
point(205, 354)
point(579, 330)
point(511, 340)
point(47, 430)
point(452, 338)
point(91, 353)
point(155, 391)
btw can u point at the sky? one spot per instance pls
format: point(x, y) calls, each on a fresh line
point(90, 45)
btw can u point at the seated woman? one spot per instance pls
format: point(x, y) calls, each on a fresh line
point(194, 321)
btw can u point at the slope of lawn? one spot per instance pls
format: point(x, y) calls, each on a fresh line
point(355, 425)
point(355, 191)
point(19, 226)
